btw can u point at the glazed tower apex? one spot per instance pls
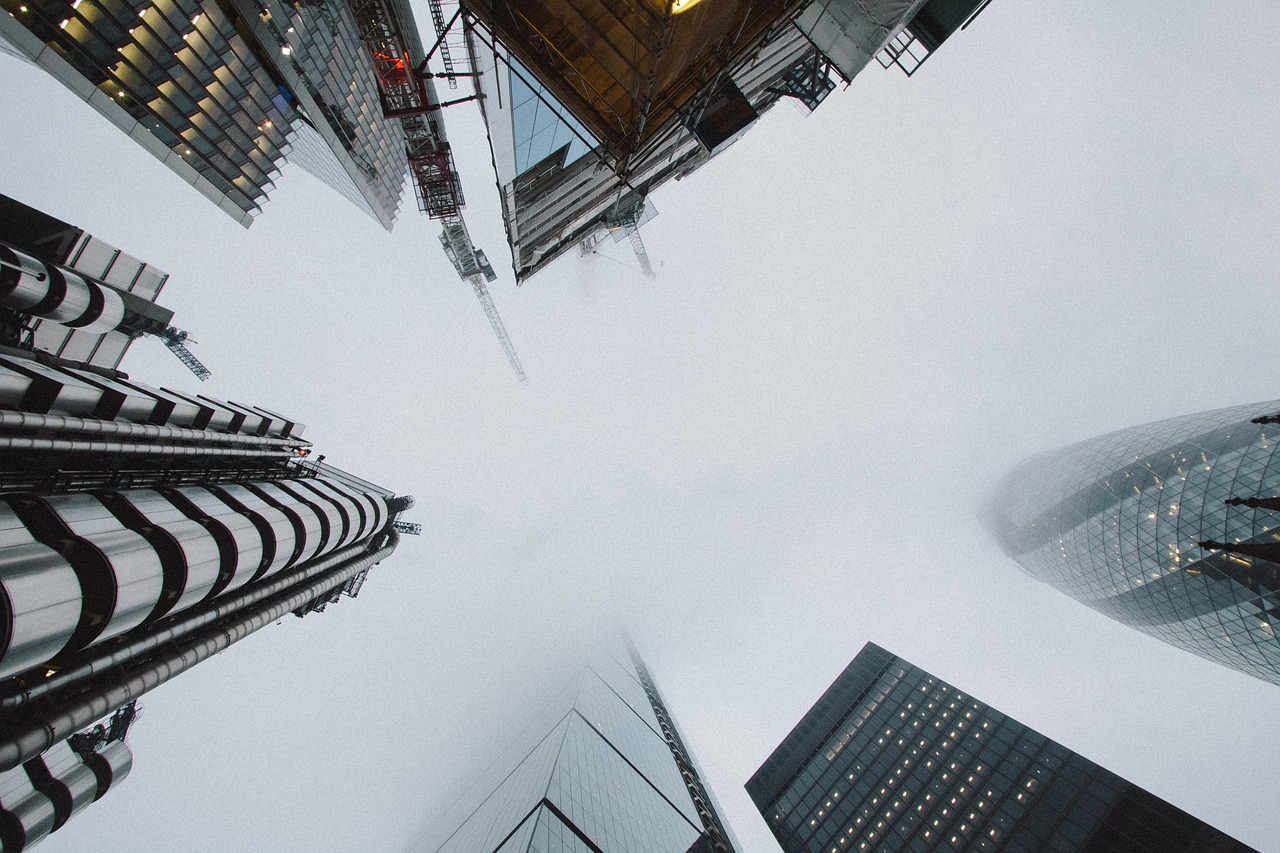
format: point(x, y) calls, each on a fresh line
point(1171, 527)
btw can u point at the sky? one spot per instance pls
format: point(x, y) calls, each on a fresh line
point(1064, 224)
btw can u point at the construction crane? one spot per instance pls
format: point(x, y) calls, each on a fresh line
point(623, 219)
point(175, 340)
point(474, 268)
point(408, 94)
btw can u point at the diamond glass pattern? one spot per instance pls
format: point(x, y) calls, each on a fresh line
point(1117, 521)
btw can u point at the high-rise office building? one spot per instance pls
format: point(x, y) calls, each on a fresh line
point(223, 93)
point(142, 530)
point(892, 758)
point(602, 770)
point(1171, 527)
point(590, 105)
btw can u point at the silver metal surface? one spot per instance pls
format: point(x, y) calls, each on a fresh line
point(239, 540)
point(278, 538)
point(41, 598)
point(201, 560)
point(61, 776)
point(30, 813)
point(15, 695)
point(110, 764)
point(346, 507)
point(334, 521)
point(308, 523)
point(85, 446)
point(28, 739)
point(68, 424)
point(72, 397)
point(134, 569)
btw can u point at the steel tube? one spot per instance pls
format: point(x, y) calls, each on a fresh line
point(198, 618)
point(71, 446)
point(67, 423)
point(32, 737)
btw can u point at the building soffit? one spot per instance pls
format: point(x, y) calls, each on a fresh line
point(625, 69)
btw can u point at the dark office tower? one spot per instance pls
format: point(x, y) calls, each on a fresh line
point(142, 530)
point(892, 758)
point(1167, 527)
point(592, 104)
point(223, 93)
point(602, 770)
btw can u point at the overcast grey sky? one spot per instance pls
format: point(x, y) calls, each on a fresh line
point(1066, 223)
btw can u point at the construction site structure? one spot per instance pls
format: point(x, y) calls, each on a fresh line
point(590, 105)
point(408, 94)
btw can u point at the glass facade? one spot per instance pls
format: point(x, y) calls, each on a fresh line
point(600, 771)
point(892, 758)
point(222, 92)
point(1167, 527)
point(540, 125)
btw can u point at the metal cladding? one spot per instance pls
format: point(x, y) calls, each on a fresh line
point(44, 793)
point(40, 598)
point(62, 776)
point(120, 573)
point(110, 765)
point(90, 402)
point(51, 292)
point(26, 815)
point(88, 567)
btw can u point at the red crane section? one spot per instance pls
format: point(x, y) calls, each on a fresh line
point(406, 96)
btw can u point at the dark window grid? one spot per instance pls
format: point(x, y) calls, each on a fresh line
point(142, 100)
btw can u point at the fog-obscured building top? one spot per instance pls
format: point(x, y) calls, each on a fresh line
point(223, 93)
point(892, 758)
point(601, 770)
point(1171, 527)
point(591, 105)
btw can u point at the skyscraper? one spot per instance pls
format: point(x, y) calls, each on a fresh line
point(892, 758)
point(591, 105)
point(602, 770)
point(142, 530)
point(224, 93)
point(1167, 527)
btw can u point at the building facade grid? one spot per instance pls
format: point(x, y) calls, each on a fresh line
point(895, 759)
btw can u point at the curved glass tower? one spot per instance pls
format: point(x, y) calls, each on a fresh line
point(1171, 527)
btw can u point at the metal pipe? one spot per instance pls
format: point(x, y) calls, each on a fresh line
point(31, 738)
point(66, 423)
point(71, 446)
point(196, 617)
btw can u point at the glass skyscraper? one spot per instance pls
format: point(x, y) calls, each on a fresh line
point(892, 758)
point(1171, 527)
point(602, 770)
point(223, 93)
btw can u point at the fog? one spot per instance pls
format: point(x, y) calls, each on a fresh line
point(1064, 224)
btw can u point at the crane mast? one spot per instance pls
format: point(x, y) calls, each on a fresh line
point(409, 95)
